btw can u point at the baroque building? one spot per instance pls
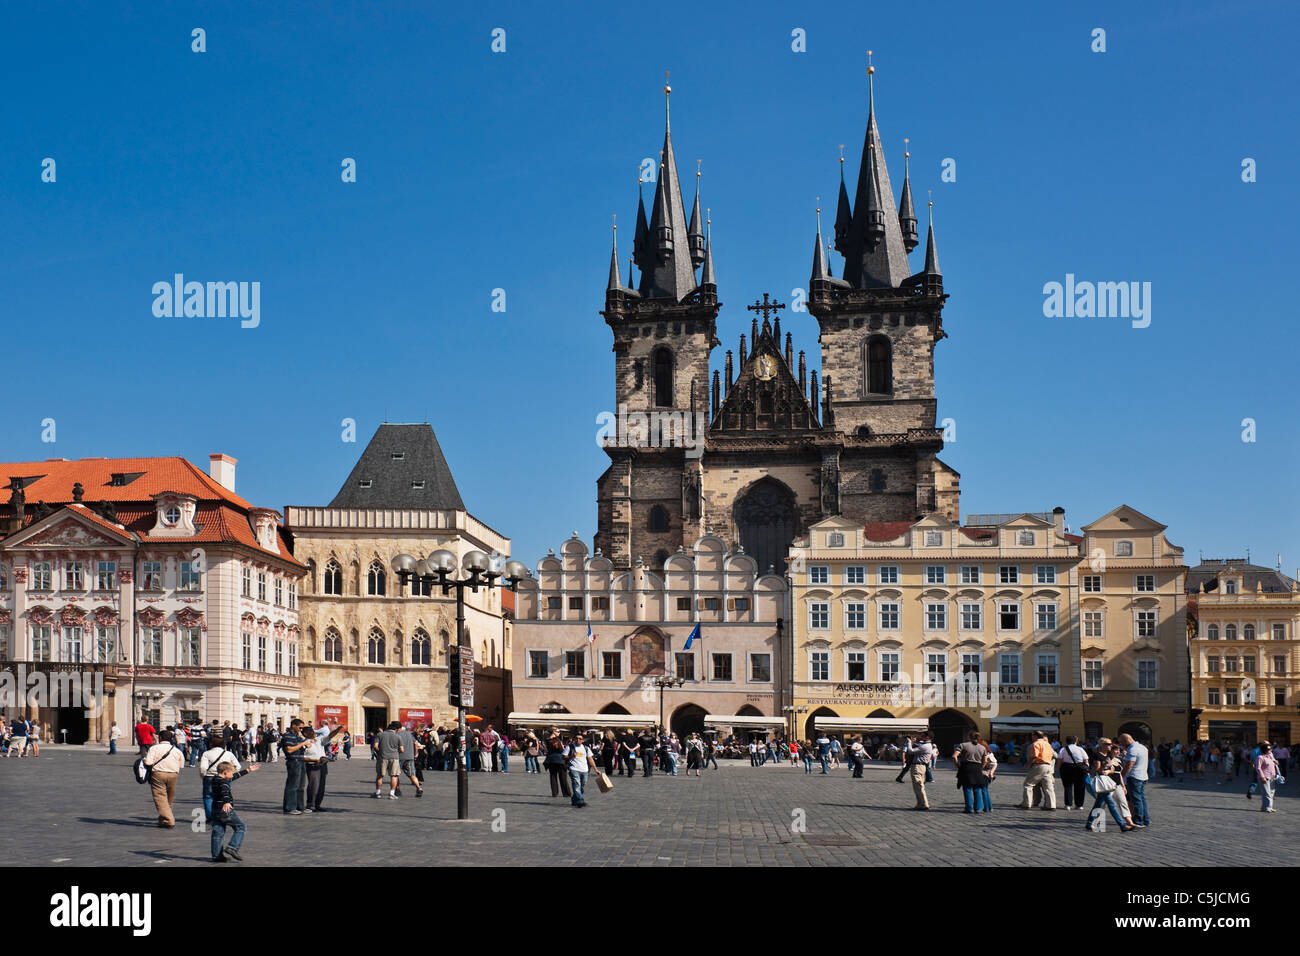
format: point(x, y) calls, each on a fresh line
point(374, 650)
point(154, 581)
point(766, 447)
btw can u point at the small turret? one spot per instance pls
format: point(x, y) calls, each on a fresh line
point(694, 234)
point(933, 277)
point(906, 214)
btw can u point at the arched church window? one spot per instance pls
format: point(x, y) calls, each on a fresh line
point(877, 480)
point(880, 366)
point(663, 378)
point(376, 579)
point(333, 578)
point(658, 518)
point(375, 647)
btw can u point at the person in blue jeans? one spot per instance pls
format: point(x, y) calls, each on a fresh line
point(224, 814)
point(578, 757)
point(1102, 764)
point(807, 751)
point(208, 764)
point(1137, 762)
point(824, 752)
point(293, 742)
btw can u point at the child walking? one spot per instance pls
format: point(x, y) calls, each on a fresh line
point(223, 812)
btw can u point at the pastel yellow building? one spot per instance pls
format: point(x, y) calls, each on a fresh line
point(901, 626)
point(1245, 665)
point(1133, 629)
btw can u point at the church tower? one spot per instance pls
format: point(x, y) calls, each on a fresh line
point(664, 329)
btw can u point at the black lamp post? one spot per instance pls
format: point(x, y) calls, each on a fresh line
point(663, 683)
point(481, 571)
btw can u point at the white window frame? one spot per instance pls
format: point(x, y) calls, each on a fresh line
point(1094, 673)
point(749, 672)
point(933, 539)
point(894, 658)
point(74, 575)
point(819, 615)
point(42, 576)
point(72, 644)
point(1043, 658)
point(1152, 666)
point(1095, 619)
point(546, 663)
point(855, 574)
point(181, 657)
point(106, 576)
point(887, 574)
point(933, 658)
point(151, 637)
point(1019, 617)
point(852, 608)
point(936, 612)
point(817, 659)
point(1123, 549)
point(936, 574)
point(969, 574)
point(1008, 574)
point(819, 574)
point(1010, 657)
point(893, 608)
point(1043, 608)
point(972, 616)
point(851, 658)
point(1140, 579)
point(1142, 619)
point(1044, 574)
point(1091, 584)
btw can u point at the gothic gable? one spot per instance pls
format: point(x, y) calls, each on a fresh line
point(765, 396)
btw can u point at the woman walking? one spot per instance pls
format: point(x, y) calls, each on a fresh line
point(1104, 783)
point(608, 751)
point(989, 772)
point(1072, 764)
point(34, 737)
point(164, 760)
point(531, 747)
point(969, 758)
point(1266, 772)
point(555, 764)
point(807, 751)
point(694, 754)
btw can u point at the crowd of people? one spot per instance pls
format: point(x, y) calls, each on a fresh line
point(20, 737)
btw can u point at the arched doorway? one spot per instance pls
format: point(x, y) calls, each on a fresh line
point(374, 704)
point(949, 728)
point(613, 708)
point(810, 725)
point(766, 520)
point(1137, 730)
point(687, 719)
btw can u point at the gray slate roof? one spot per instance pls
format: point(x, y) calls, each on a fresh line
point(392, 479)
point(1269, 578)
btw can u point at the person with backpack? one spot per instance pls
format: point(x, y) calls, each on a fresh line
point(208, 764)
point(580, 760)
point(163, 762)
point(554, 763)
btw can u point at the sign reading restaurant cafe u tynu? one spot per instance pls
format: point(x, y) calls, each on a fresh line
point(938, 693)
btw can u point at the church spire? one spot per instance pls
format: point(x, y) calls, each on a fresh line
point(819, 259)
point(708, 284)
point(694, 234)
point(615, 282)
point(670, 272)
point(906, 214)
point(844, 213)
point(642, 229)
point(931, 254)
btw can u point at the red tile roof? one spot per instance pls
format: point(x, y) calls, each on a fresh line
point(886, 530)
point(55, 478)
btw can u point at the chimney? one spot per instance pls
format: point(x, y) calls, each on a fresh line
point(222, 469)
point(1058, 519)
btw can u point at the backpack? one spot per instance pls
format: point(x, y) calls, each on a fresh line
point(144, 771)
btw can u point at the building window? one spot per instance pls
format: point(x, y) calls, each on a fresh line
point(1024, 539)
point(1279, 664)
point(684, 664)
point(4, 643)
point(1008, 574)
point(877, 480)
point(553, 603)
point(889, 664)
point(191, 640)
point(72, 576)
point(1212, 665)
point(261, 585)
point(1248, 632)
point(1092, 624)
point(880, 372)
point(819, 574)
point(1009, 668)
point(611, 665)
point(972, 664)
point(1279, 696)
point(293, 595)
point(1231, 698)
point(742, 604)
point(855, 574)
point(333, 647)
point(376, 647)
point(889, 616)
point(710, 604)
point(934, 539)
point(1146, 624)
point(1009, 617)
point(1045, 617)
point(1230, 632)
point(279, 591)
point(246, 577)
point(1046, 668)
point(261, 653)
point(972, 617)
point(1248, 664)
point(1092, 674)
point(819, 666)
point(41, 576)
point(1279, 632)
point(538, 665)
point(1148, 674)
point(574, 664)
point(293, 659)
point(333, 578)
point(151, 644)
point(722, 667)
point(1230, 665)
point(887, 574)
point(683, 604)
point(1092, 583)
point(72, 645)
point(936, 668)
point(248, 651)
point(191, 578)
point(936, 617)
point(760, 668)
point(663, 377)
point(575, 604)
point(934, 574)
point(1045, 574)
point(835, 539)
point(421, 648)
point(658, 518)
point(106, 576)
point(970, 574)
point(1212, 632)
point(1144, 582)
point(105, 644)
point(855, 615)
point(819, 615)
point(41, 642)
point(856, 666)
point(1212, 696)
point(1230, 587)
point(1123, 549)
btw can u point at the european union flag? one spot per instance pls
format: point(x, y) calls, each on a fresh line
point(694, 634)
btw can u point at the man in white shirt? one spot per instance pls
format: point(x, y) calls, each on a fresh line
point(1136, 762)
point(208, 770)
point(922, 758)
point(575, 756)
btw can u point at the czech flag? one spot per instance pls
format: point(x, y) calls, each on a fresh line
point(694, 634)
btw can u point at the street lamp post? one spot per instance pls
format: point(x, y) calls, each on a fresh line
point(481, 571)
point(663, 683)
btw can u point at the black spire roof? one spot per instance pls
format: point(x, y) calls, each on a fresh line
point(667, 270)
point(402, 468)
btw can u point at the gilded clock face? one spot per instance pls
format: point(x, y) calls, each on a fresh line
point(765, 367)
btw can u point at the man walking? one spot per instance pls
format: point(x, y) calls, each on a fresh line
point(824, 752)
point(1136, 760)
point(1039, 773)
point(647, 743)
point(295, 772)
point(487, 749)
point(388, 754)
point(144, 734)
point(409, 758)
point(922, 758)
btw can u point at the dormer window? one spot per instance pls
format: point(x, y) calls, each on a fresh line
point(835, 539)
point(365, 483)
point(172, 515)
point(417, 485)
point(1230, 587)
point(399, 456)
point(1025, 539)
point(1123, 549)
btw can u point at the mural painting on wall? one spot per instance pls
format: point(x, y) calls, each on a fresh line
point(647, 653)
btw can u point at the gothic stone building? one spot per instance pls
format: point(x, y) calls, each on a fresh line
point(769, 449)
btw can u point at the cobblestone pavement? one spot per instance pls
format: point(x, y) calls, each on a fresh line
point(80, 807)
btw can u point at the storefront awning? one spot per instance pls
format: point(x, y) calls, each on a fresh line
point(717, 720)
point(1020, 725)
point(581, 720)
point(894, 725)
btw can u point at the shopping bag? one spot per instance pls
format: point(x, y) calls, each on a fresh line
point(603, 783)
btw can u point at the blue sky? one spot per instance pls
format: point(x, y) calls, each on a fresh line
point(479, 170)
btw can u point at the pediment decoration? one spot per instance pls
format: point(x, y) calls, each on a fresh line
point(188, 617)
point(72, 617)
point(70, 535)
point(40, 615)
point(106, 616)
